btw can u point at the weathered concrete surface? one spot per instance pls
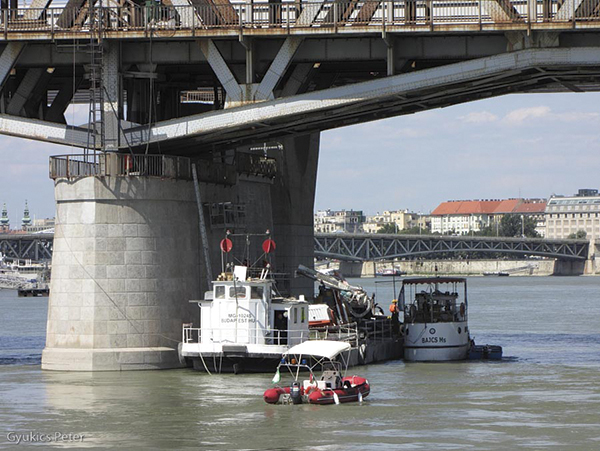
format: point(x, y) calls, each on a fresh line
point(468, 267)
point(125, 264)
point(293, 194)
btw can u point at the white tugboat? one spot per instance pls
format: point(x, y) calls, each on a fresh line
point(242, 327)
point(435, 319)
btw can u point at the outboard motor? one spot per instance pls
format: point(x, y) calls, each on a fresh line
point(295, 393)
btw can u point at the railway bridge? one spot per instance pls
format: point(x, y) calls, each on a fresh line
point(233, 86)
point(361, 247)
point(368, 247)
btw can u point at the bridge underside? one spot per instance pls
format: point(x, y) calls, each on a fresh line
point(291, 86)
point(534, 70)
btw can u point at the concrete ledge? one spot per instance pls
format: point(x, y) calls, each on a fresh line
point(117, 359)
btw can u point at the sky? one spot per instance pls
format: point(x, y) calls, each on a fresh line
point(521, 145)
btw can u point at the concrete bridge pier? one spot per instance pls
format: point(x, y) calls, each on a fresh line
point(293, 197)
point(125, 263)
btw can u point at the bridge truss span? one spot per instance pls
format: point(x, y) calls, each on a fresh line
point(366, 247)
point(35, 247)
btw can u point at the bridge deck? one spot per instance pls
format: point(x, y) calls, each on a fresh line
point(304, 18)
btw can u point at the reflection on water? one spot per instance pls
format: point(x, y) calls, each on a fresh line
point(544, 394)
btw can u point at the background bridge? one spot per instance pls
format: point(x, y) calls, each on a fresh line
point(363, 247)
point(366, 247)
point(36, 247)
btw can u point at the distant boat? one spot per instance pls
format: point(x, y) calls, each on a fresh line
point(390, 272)
point(497, 273)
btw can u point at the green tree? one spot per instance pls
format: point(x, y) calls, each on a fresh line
point(416, 230)
point(514, 225)
point(486, 231)
point(388, 227)
point(579, 235)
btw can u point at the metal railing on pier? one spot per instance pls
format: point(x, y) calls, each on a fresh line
point(113, 164)
point(258, 165)
point(340, 16)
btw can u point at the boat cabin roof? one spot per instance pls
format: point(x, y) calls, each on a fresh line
point(428, 280)
point(319, 348)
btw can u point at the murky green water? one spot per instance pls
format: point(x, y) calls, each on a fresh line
point(544, 395)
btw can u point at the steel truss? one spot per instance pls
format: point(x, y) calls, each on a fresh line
point(36, 247)
point(365, 247)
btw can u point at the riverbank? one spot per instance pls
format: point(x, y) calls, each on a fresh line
point(517, 267)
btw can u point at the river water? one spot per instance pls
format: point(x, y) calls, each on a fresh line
point(545, 393)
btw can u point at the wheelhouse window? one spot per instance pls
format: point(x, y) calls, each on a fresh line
point(256, 292)
point(237, 292)
point(220, 292)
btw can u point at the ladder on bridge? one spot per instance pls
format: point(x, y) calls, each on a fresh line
point(95, 137)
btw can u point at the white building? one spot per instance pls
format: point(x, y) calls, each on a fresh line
point(402, 220)
point(568, 215)
point(338, 221)
point(465, 216)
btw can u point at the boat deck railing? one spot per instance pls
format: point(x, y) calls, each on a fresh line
point(256, 336)
point(344, 332)
point(347, 332)
point(376, 329)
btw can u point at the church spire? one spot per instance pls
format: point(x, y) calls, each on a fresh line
point(26, 221)
point(4, 221)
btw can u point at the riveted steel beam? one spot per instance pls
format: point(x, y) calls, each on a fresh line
point(111, 82)
point(298, 77)
point(9, 58)
point(43, 131)
point(221, 70)
point(277, 68)
point(24, 91)
point(500, 10)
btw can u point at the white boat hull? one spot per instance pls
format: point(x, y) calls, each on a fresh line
point(436, 342)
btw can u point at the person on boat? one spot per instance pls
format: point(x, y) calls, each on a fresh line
point(395, 315)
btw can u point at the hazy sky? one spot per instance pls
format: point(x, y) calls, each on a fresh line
point(524, 144)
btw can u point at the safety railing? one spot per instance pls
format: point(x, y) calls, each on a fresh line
point(295, 14)
point(259, 165)
point(243, 335)
point(345, 332)
point(376, 329)
point(112, 164)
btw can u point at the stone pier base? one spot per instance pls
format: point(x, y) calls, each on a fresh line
point(125, 264)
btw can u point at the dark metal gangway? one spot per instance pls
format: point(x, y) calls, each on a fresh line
point(366, 247)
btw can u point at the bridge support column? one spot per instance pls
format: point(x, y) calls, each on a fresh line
point(293, 197)
point(111, 81)
point(591, 267)
point(125, 265)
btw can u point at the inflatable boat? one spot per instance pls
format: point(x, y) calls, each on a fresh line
point(330, 387)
